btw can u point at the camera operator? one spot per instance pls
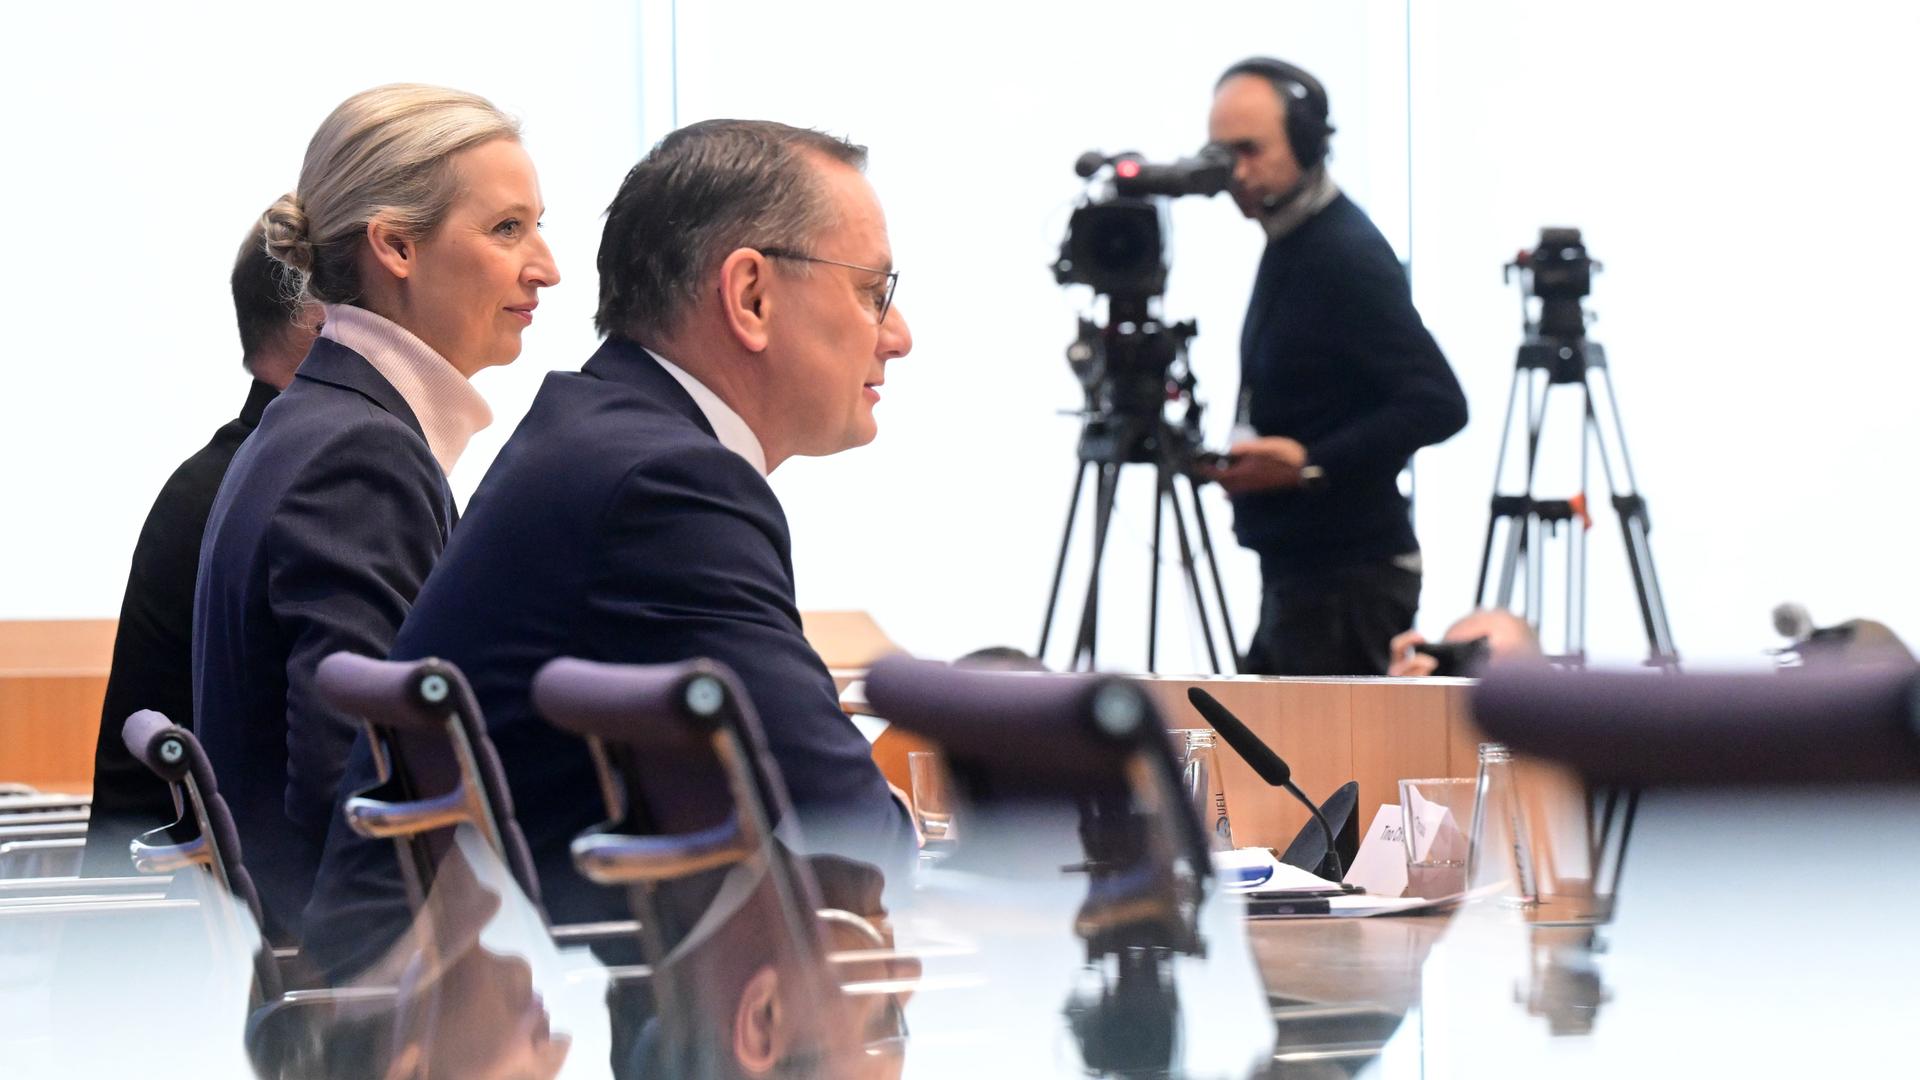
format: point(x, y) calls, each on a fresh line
point(1340, 384)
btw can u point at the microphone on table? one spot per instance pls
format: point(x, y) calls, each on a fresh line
point(1265, 762)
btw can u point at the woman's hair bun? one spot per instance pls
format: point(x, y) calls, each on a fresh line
point(285, 225)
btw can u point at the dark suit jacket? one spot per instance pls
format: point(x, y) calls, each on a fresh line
point(153, 645)
point(327, 523)
point(614, 526)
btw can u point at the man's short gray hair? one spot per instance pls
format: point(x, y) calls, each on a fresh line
point(703, 192)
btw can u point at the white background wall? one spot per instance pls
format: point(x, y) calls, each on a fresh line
point(142, 142)
point(1742, 172)
point(1746, 173)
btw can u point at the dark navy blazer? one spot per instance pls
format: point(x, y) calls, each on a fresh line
point(614, 526)
point(327, 522)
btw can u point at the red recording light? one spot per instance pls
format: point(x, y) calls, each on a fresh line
point(1127, 169)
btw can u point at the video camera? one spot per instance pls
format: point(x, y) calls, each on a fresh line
point(1117, 244)
point(1134, 365)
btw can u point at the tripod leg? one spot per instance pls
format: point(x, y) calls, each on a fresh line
point(1664, 632)
point(1634, 526)
point(1193, 580)
point(1486, 561)
point(1538, 535)
point(1499, 473)
point(1105, 489)
point(1060, 564)
point(1653, 611)
point(1213, 567)
point(1516, 549)
point(1162, 490)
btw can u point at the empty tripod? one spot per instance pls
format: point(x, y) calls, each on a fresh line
point(1556, 352)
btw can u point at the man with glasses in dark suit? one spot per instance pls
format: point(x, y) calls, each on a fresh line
point(746, 297)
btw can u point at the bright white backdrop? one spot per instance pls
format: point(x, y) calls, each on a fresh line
point(142, 142)
point(1740, 171)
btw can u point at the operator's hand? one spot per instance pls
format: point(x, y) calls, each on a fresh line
point(1263, 464)
point(1406, 662)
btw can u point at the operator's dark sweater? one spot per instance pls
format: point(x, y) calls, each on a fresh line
point(1333, 355)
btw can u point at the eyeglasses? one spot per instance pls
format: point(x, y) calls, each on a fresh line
point(892, 276)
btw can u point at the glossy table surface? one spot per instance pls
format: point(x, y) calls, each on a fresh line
point(1372, 961)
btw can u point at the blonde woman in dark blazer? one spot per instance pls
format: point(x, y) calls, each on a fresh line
point(415, 224)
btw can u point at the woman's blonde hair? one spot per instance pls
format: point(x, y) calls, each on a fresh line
point(382, 153)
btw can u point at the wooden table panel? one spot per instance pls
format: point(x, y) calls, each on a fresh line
point(1463, 737)
point(53, 681)
point(1400, 732)
point(48, 725)
point(39, 646)
point(1308, 722)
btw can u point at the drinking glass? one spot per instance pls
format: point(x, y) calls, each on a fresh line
point(1202, 783)
point(1435, 814)
point(932, 802)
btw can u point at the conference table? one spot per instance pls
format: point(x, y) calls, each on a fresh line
point(1758, 932)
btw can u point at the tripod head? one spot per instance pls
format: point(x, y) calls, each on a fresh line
point(1131, 369)
point(1133, 365)
point(1559, 272)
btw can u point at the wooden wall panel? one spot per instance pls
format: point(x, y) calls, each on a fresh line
point(1400, 732)
point(43, 645)
point(1463, 737)
point(53, 681)
point(48, 724)
point(1308, 722)
point(1374, 731)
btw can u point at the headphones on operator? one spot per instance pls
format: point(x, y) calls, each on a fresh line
point(1305, 105)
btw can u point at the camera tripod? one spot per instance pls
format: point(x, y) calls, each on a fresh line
point(1531, 523)
point(1107, 445)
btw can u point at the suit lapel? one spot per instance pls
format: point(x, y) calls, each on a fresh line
point(621, 361)
point(336, 365)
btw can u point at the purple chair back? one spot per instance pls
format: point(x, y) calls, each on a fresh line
point(437, 764)
point(689, 784)
point(1013, 736)
point(1664, 730)
point(171, 753)
point(683, 732)
point(1052, 732)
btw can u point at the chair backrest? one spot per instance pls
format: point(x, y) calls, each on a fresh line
point(684, 769)
point(173, 754)
point(438, 767)
point(1847, 726)
point(1011, 736)
point(693, 797)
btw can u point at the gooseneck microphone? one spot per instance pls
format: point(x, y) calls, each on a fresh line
point(1265, 762)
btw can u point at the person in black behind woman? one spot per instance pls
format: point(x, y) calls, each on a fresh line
point(415, 223)
point(1340, 384)
point(153, 644)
